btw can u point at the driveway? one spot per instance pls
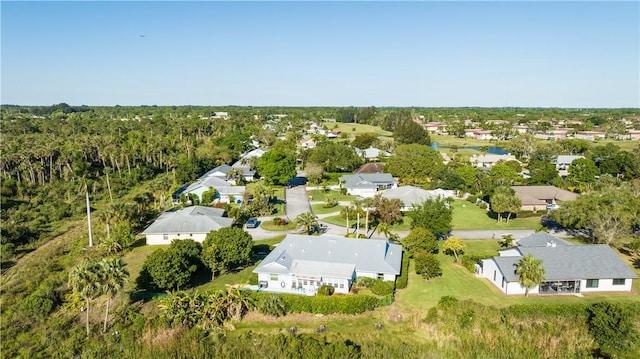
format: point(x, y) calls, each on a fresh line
point(297, 201)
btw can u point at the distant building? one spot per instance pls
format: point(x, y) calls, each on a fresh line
point(488, 160)
point(591, 135)
point(367, 185)
point(536, 198)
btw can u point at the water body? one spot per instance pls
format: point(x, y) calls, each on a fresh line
point(492, 150)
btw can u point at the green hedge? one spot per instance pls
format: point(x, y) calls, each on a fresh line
point(403, 279)
point(345, 304)
point(470, 260)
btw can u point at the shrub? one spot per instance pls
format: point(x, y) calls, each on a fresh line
point(403, 279)
point(326, 290)
point(427, 265)
point(365, 282)
point(465, 319)
point(470, 260)
point(382, 287)
point(276, 221)
point(472, 199)
point(420, 239)
point(613, 327)
point(447, 302)
point(273, 305)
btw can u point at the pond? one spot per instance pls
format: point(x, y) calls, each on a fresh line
point(491, 150)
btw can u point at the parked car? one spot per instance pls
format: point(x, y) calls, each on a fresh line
point(252, 222)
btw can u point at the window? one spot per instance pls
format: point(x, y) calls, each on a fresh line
point(380, 275)
point(165, 237)
point(306, 282)
point(494, 276)
point(502, 282)
point(592, 283)
point(341, 285)
point(618, 281)
point(273, 277)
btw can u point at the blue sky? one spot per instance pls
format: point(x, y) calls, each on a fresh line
point(543, 54)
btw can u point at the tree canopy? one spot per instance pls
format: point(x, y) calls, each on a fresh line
point(433, 214)
point(415, 163)
point(277, 166)
point(226, 249)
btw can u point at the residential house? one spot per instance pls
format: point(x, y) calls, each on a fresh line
point(307, 142)
point(471, 132)
point(220, 114)
point(373, 167)
point(535, 198)
point(413, 196)
point(634, 134)
point(302, 263)
point(484, 135)
point(487, 160)
point(432, 127)
point(591, 135)
point(371, 153)
point(563, 162)
point(367, 184)
point(568, 268)
point(520, 129)
point(225, 192)
point(193, 222)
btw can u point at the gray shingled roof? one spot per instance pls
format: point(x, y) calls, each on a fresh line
point(542, 239)
point(302, 253)
point(194, 219)
point(566, 261)
point(580, 262)
point(366, 180)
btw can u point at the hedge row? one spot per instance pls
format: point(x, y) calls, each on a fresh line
point(344, 304)
point(470, 260)
point(403, 279)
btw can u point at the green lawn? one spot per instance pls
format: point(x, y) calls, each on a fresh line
point(354, 129)
point(320, 195)
point(457, 281)
point(269, 226)
point(320, 209)
point(469, 216)
point(339, 221)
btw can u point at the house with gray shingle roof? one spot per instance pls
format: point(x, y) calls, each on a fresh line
point(193, 222)
point(367, 184)
point(568, 268)
point(302, 263)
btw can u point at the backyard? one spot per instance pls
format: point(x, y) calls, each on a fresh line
point(467, 215)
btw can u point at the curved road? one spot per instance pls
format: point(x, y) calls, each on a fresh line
point(298, 202)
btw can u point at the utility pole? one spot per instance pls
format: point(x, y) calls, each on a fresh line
point(89, 218)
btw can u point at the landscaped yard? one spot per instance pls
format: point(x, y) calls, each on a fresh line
point(321, 195)
point(457, 281)
point(320, 209)
point(268, 225)
point(339, 221)
point(467, 215)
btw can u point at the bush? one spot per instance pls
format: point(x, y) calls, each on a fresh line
point(276, 221)
point(427, 265)
point(447, 302)
point(403, 279)
point(473, 199)
point(272, 305)
point(326, 290)
point(420, 239)
point(383, 287)
point(365, 282)
point(613, 327)
point(470, 260)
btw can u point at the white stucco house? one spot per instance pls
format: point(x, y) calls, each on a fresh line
point(568, 268)
point(488, 160)
point(302, 263)
point(225, 192)
point(193, 222)
point(367, 184)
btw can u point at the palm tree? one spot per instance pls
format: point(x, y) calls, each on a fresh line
point(237, 302)
point(308, 221)
point(85, 280)
point(530, 272)
point(113, 276)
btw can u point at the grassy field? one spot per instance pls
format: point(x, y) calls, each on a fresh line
point(354, 129)
point(469, 216)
